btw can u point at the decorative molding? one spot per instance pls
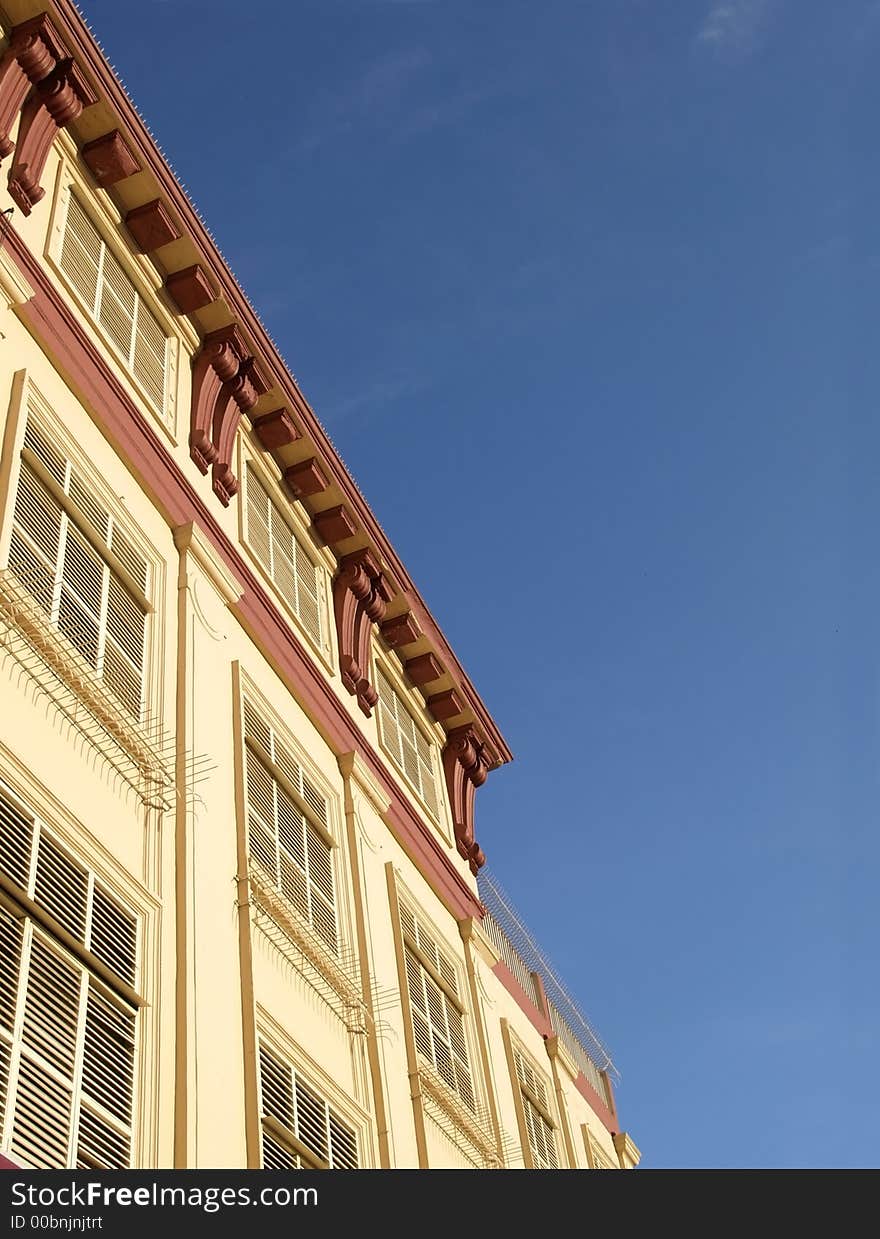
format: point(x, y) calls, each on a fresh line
point(226, 383)
point(360, 595)
point(466, 764)
point(334, 524)
point(151, 226)
point(110, 159)
point(445, 705)
point(423, 669)
point(193, 540)
point(483, 945)
point(628, 1152)
point(276, 429)
point(400, 631)
point(352, 766)
point(56, 100)
point(556, 1050)
point(306, 478)
point(190, 289)
point(33, 51)
point(15, 287)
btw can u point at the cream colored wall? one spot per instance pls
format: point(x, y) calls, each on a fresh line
point(179, 868)
point(57, 772)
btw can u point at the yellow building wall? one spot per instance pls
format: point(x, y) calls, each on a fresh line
point(211, 978)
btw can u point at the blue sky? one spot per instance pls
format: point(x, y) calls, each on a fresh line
point(609, 272)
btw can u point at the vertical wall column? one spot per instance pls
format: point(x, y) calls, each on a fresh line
point(468, 930)
point(560, 1061)
point(209, 1090)
point(360, 787)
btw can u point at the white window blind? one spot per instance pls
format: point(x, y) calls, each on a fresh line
point(304, 1132)
point(536, 1108)
point(80, 567)
point(438, 1018)
point(67, 1042)
point(114, 302)
point(404, 742)
point(292, 570)
point(287, 825)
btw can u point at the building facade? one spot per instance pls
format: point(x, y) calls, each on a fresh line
point(243, 921)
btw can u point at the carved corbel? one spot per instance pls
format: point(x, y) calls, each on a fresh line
point(466, 764)
point(360, 597)
point(56, 100)
point(226, 383)
point(33, 51)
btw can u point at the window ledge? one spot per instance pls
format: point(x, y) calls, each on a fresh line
point(335, 980)
point(65, 677)
point(456, 1119)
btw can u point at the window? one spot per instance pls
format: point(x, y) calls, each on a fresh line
point(437, 1012)
point(288, 828)
point(114, 303)
point(81, 568)
point(404, 742)
point(290, 567)
point(301, 1131)
point(596, 1156)
point(536, 1113)
point(67, 1039)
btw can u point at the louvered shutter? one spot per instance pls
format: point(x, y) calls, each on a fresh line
point(287, 563)
point(405, 743)
point(46, 872)
point(438, 1022)
point(300, 1109)
point(113, 300)
point(65, 572)
point(69, 1028)
point(536, 1109)
point(284, 843)
point(71, 1066)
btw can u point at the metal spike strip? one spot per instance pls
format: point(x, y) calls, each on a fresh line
point(534, 959)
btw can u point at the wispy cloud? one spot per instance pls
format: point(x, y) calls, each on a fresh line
point(373, 399)
point(372, 97)
point(402, 95)
point(734, 27)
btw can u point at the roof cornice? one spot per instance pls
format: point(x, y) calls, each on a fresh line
point(86, 51)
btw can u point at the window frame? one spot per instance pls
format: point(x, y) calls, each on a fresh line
point(282, 780)
point(453, 995)
point(245, 688)
point(321, 558)
point(414, 705)
point(528, 1100)
point(182, 339)
point(39, 924)
point(278, 1041)
point(31, 403)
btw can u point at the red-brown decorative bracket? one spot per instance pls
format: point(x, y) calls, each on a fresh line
point(226, 383)
point(276, 429)
point(190, 289)
point(401, 630)
point(334, 524)
point(360, 596)
point(151, 226)
point(57, 99)
point(466, 764)
point(423, 669)
point(306, 478)
point(33, 51)
point(109, 159)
